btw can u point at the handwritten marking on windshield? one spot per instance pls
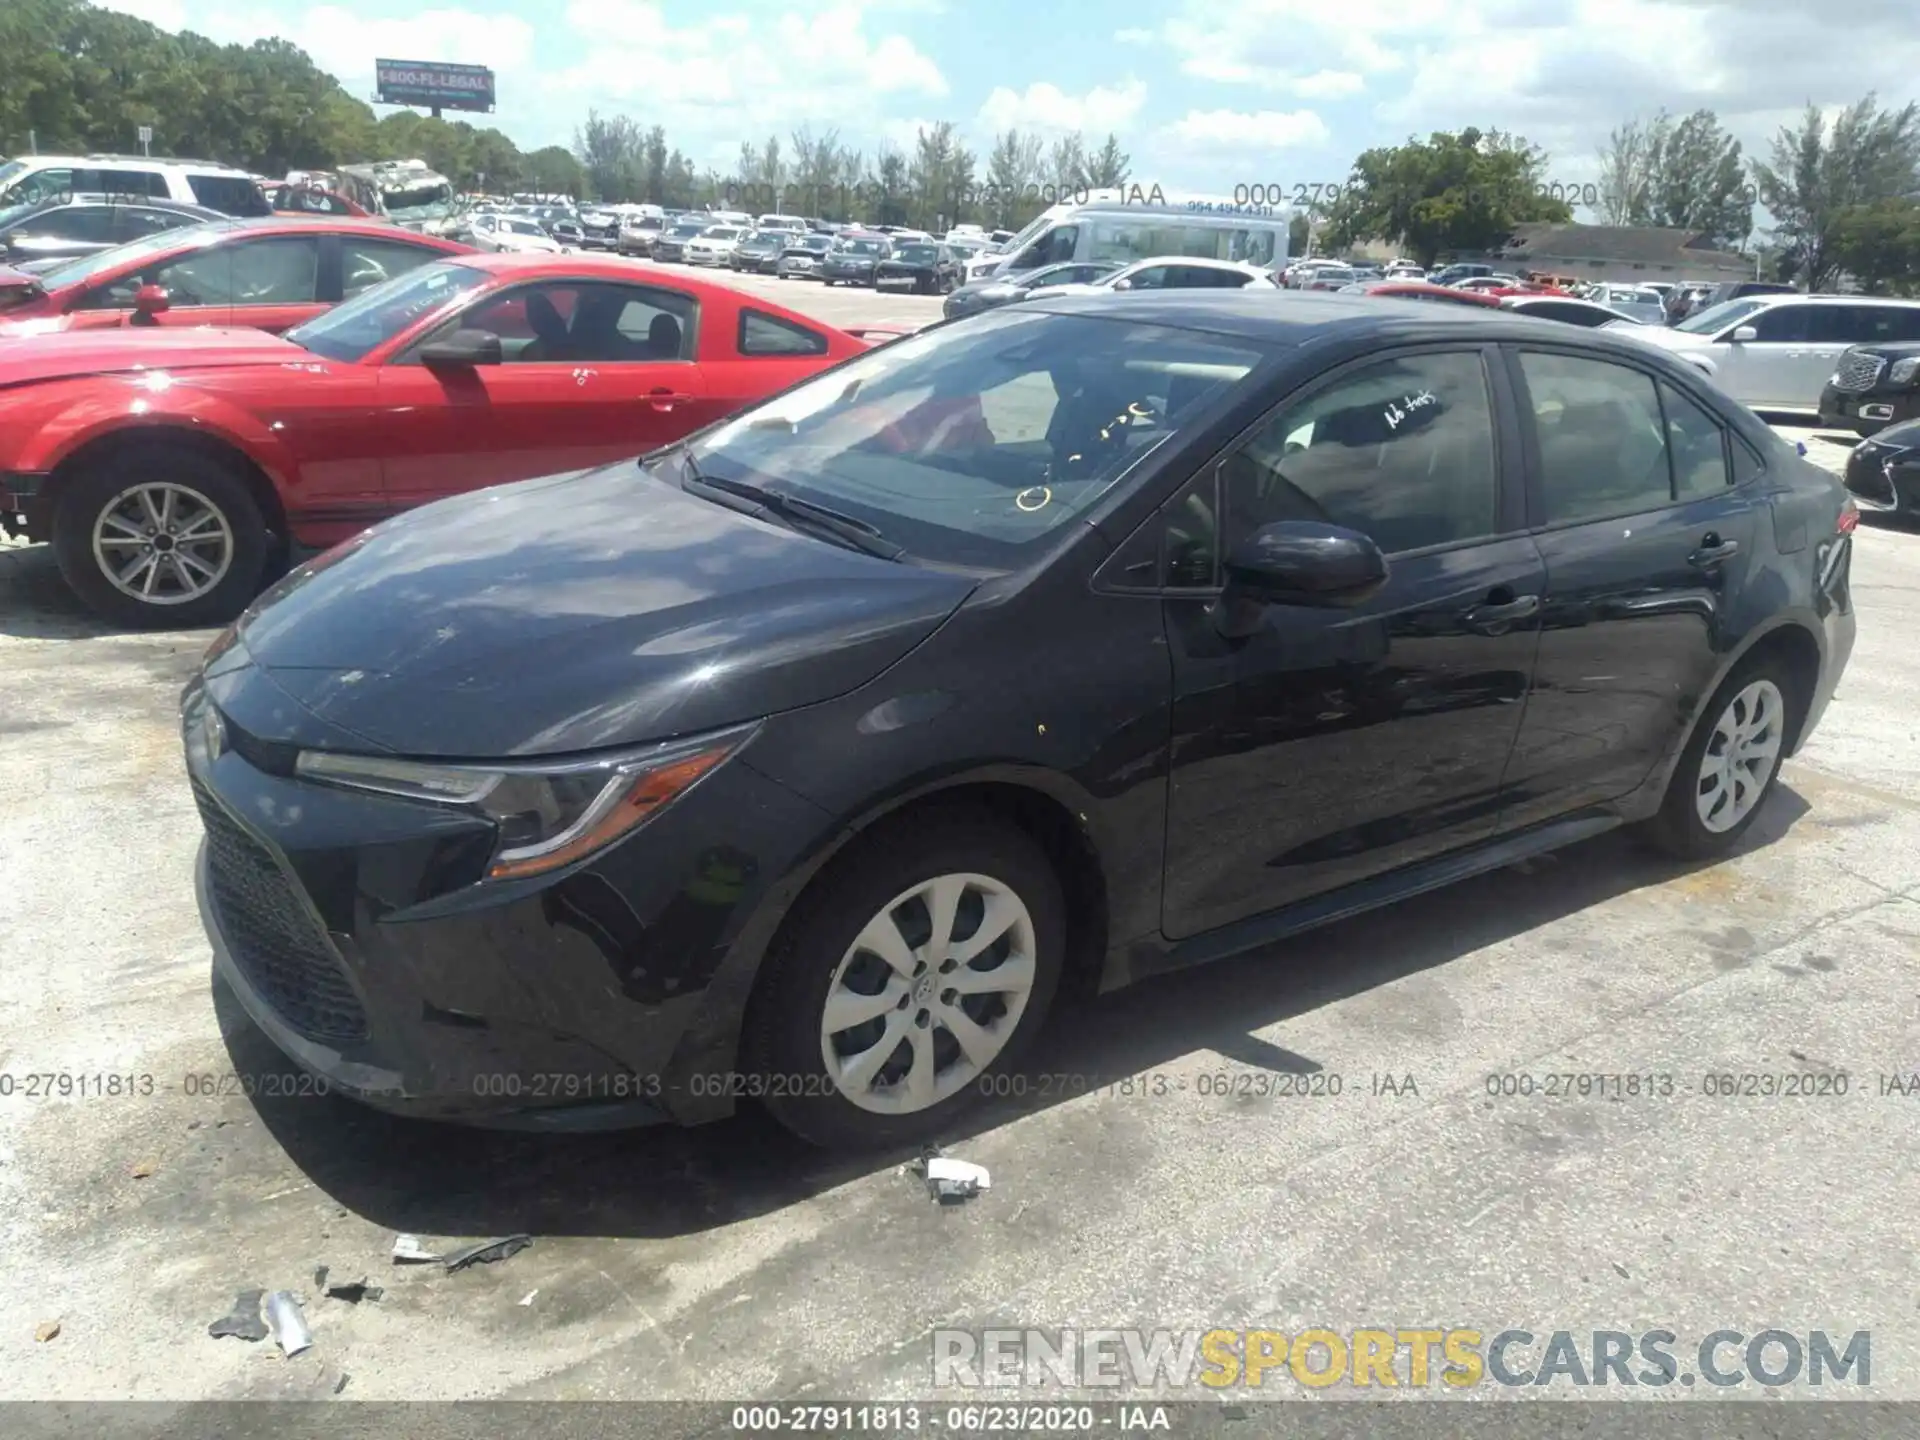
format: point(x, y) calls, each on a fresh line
point(1396, 414)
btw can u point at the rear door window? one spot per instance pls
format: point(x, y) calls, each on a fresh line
point(1601, 437)
point(229, 194)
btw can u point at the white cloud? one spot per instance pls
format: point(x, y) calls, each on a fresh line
point(1329, 84)
point(728, 78)
point(1046, 107)
point(1241, 130)
point(1135, 36)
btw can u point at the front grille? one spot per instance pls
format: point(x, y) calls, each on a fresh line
point(1858, 372)
point(273, 939)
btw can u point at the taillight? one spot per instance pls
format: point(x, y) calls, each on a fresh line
point(1849, 520)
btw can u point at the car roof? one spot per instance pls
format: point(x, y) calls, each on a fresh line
point(1292, 317)
point(1776, 298)
point(612, 267)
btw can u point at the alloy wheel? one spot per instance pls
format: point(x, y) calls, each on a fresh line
point(162, 543)
point(1740, 756)
point(928, 994)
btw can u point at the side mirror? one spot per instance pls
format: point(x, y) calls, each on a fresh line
point(1298, 562)
point(462, 349)
point(1742, 335)
point(151, 300)
point(1123, 284)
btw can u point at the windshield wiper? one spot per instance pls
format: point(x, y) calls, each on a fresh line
point(799, 514)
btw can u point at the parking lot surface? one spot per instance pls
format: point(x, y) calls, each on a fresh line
point(729, 1263)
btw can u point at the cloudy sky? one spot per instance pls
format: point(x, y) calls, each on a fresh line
point(1204, 95)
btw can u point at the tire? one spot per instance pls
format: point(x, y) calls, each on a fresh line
point(1680, 829)
point(201, 484)
point(785, 1040)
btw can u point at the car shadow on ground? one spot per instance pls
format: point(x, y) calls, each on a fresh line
point(35, 603)
point(434, 1179)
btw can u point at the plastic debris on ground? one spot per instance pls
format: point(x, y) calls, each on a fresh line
point(412, 1250)
point(354, 1291)
point(487, 1252)
point(527, 1299)
point(290, 1331)
point(243, 1322)
point(340, 1384)
point(951, 1181)
point(48, 1329)
point(143, 1168)
point(319, 1277)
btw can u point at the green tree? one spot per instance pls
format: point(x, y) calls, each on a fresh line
point(1068, 164)
point(891, 189)
point(611, 150)
point(1686, 174)
point(1110, 165)
point(1448, 193)
point(1814, 174)
point(553, 170)
point(1879, 245)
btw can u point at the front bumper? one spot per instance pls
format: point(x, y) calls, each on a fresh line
point(351, 928)
point(1883, 479)
point(856, 274)
point(911, 279)
point(1868, 413)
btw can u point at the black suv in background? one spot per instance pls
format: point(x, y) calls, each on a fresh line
point(1873, 386)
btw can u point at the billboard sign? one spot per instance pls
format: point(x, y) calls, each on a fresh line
point(447, 87)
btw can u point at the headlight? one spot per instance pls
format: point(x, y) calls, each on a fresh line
point(1904, 371)
point(548, 815)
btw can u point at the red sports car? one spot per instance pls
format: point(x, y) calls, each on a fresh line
point(171, 467)
point(266, 274)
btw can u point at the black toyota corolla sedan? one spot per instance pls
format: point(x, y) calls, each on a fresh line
point(808, 760)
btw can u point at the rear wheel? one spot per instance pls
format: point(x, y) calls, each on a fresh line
point(923, 967)
point(161, 535)
point(1729, 765)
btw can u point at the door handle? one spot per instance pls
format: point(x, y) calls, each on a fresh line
point(664, 399)
point(1713, 551)
point(1500, 611)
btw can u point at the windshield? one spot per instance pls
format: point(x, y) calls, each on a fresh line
point(720, 232)
point(687, 232)
point(419, 202)
point(523, 227)
point(76, 272)
point(859, 247)
point(974, 445)
point(349, 332)
point(919, 254)
point(1717, 317)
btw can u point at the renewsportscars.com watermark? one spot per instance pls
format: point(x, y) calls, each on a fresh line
point(1398, 1357)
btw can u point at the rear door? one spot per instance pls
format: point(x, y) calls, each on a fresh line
point(593, 372)
point(1644, 537)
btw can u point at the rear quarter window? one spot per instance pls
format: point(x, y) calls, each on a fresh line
point(762, 334)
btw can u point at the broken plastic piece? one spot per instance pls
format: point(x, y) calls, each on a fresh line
point(951, 1180)
point(49, 1329)
point(319, 1277)
point(243, 1321)
point(354, 1291)
point(341, 1383)
point(527, 1299)
point(290, 1331)
point(410, 1250)
point(488, 1251)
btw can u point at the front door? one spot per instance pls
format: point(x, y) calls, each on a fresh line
point(1335, 744)
point(593, 372)
point(1644, 535)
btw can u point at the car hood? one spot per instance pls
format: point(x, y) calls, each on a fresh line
point(573, 613)
point(119, 350)
point(1904, 436)
point(1665, 336)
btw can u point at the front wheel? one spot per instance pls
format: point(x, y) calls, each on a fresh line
point(913, 977)
point(159, 535)
point(1730, 763)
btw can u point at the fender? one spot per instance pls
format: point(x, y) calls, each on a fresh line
point(1654, 788)
point(712, 1040)
point(78, 414)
